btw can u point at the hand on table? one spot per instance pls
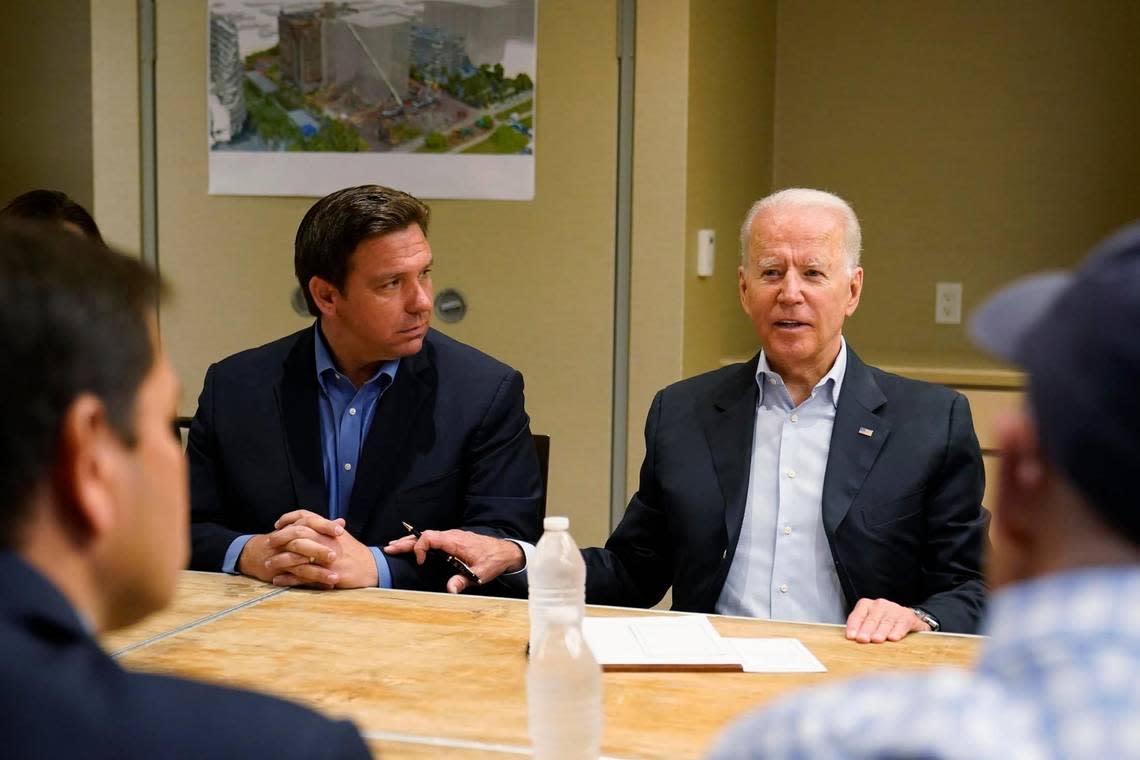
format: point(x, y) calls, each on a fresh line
point(487, 557)
point(878, 620)
point(306, 549)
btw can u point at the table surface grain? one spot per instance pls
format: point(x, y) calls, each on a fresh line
point(427, 675)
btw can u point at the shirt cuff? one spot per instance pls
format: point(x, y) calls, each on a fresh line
point(527, 550)
point(383, 572)
point(229, 564)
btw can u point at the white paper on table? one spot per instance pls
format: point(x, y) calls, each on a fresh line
point(775, 655)
point(662, 640)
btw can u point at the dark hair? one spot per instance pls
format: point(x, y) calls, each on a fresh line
point(73, 320)
point(52, 206)
point(336, 225)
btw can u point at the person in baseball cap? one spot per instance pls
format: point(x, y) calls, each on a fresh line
point(1060, 673)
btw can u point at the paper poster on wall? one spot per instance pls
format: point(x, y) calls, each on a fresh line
point(434, 97)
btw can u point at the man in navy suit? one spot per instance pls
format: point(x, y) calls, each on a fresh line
point(308, 454)
point(93, 523)
point(803, 484)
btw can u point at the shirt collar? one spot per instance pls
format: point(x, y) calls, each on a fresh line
point(325, 363)
point(835, 374)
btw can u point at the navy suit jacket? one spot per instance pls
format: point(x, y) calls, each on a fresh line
point(449, 447)
point(901, 508)
point(61, 696)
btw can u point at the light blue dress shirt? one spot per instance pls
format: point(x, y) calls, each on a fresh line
point(346, 417)
point(783, 568)
point(1058, 678)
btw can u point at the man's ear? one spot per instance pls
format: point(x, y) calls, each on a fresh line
point(742, 286)
point(324, 294)
point(88, 464)
point(856, 291)
point(1023, 480)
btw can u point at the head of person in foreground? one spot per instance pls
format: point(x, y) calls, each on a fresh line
point(93, 490)
point(1067, 497)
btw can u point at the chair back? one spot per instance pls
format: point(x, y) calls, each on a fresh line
point(542, 448)
point(182, 428)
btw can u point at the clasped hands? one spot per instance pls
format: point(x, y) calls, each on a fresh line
point(306, 549)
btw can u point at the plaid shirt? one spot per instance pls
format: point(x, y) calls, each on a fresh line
point(1059, 678)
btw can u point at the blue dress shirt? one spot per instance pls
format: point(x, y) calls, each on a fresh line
point(346, 416)
point(783, 568)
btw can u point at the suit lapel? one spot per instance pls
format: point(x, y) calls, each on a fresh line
point(386, 456)
point(852, 451)
point(729, 418)
point(297, 404)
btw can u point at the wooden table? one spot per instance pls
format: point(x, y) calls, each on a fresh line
point(200, 598)
point(426, 675)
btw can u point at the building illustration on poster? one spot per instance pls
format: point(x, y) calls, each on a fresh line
point(436, 97)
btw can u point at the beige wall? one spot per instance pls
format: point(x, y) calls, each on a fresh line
point(657, 263)
point(702, 154)
point(45, 81)
point(977, 142)
point(115, 121)
point(732, 73)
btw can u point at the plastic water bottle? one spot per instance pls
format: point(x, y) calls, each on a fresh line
point(556, 577)
point(563, 680)
point(564, 691)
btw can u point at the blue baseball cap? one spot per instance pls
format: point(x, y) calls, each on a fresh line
point(1077, 336)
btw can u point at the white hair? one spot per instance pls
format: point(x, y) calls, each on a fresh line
point(801, 197)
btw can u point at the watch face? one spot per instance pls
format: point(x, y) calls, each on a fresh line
point(927, 618)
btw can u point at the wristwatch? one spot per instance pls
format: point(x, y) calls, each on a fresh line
point(926, 617)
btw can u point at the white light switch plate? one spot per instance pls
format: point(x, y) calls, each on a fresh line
point(706, 252)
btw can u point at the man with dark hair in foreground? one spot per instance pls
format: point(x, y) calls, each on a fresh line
point(93, 523)
point(308, 454)
point(1060, 674)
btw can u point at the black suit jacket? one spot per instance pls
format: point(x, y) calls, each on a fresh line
point(901, 508)
point(61, 696)
point(449, 447)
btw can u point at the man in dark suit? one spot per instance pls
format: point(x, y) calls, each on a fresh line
point(93, 530)
point(804, 485)
point(1058, 673)
point(307, 454)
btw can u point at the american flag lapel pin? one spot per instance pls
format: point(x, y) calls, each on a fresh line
point(868, 432)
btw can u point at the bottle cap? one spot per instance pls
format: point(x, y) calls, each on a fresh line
point(556, 523)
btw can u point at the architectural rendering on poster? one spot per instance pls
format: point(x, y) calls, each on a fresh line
point(435, 95)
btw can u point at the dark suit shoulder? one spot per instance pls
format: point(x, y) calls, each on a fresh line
point(712, 381)
point(226, 722)
point(63, 679)
point(262, 359)
point(451, 355)
point(61, 696)
point(898, 388)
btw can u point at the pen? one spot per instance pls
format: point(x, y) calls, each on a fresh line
point(455, 562)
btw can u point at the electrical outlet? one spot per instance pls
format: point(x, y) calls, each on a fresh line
point(948, 303)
